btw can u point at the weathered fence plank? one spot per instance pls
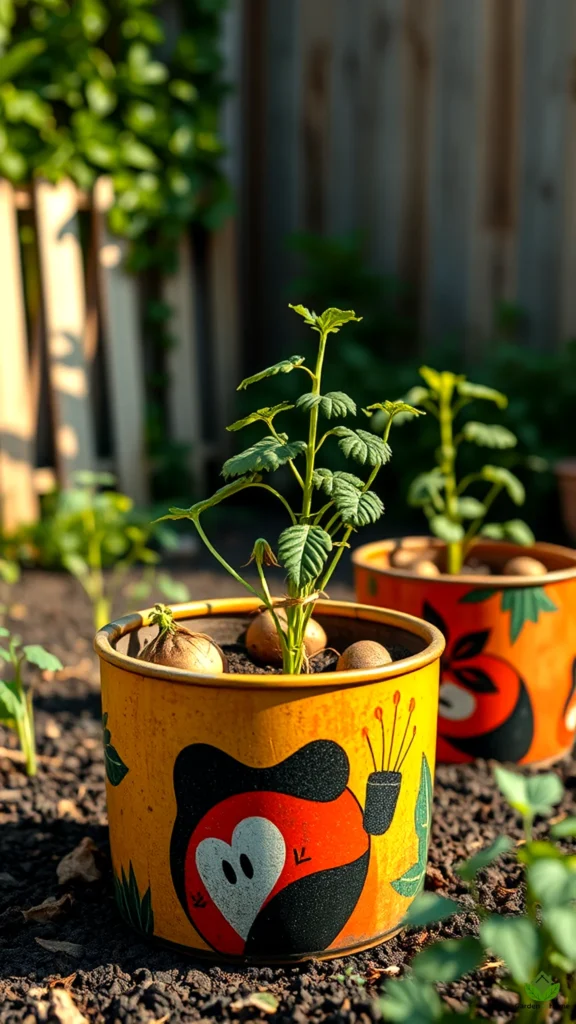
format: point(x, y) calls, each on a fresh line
point(18, 501)
point(184, 388)
point(121, 328)
point(65, 316)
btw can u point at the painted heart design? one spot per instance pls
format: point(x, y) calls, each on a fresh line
point(241, 875)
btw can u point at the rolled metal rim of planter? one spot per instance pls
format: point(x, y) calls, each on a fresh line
point(107, 638)
point(562, 559)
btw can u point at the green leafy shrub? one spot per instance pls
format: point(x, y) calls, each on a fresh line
point(538, 948)
point(453, 514)
point(16, 710)
point(333, 504)
point(89, 528)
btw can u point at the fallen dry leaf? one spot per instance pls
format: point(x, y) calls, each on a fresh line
point(346, 1005)
point(373, 972)
point(491, 965)
point(17, 757)
point(64, 1009)
point(49, 909)
point(160, 1020)
point(263, 1001)
point(68, 809)
point(52, 730)
point(70, 948)
point(556, 820)
point(80, 863)
point(63, 982)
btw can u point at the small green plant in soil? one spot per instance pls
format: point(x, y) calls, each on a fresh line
point(455, 515)
point(16, 710)
point(332, 505)
point(89, 528)
point(537, 948)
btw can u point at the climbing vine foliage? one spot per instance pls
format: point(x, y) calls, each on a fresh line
point(332, 504)
point(90, 87)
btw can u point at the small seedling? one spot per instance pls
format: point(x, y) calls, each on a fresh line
point(16, 710)
point(332, 505)
point(91, 529)
point(454, 515)
point(538, 948)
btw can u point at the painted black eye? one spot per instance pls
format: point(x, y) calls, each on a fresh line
point(229, 872)
point(246, 865)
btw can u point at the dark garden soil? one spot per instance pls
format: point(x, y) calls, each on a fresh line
point(81, 944)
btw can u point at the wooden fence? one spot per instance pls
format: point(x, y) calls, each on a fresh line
point(84, 322)
point(444, 129)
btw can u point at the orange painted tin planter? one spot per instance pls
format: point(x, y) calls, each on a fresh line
point(266, 818)
point(508, 674)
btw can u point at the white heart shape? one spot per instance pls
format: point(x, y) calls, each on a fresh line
point(240, 876)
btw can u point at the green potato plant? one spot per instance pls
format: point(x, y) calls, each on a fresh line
point(453, 514)
point(538, 947)
point(333, 504)
point(16, 711)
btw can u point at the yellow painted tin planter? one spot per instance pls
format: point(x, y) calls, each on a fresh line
point(270, 817)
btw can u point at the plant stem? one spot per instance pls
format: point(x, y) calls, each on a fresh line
point(448, 459)
point(25, 721)
point(313, 429)
point(477, 523)
point(225, 565)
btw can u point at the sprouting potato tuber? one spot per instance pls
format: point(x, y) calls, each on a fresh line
point(262, 640)
point(364, 654)
point(178, 647)
point(424, 567)
point(524, 565)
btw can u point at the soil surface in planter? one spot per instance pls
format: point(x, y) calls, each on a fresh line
point(81, 944)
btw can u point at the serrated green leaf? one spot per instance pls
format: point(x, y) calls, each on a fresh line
point(332, 319)
point(507, 480)
point(356, 508)
point(37, 655)
point(303, 550)
point(308, 315)
point(265, 456)
point(515, 940)
point(362, 446)
point(431, 377)
point(220, 495)
point(470, 868)
point(334, 403)
point(445, 962)
point(265, 415)
point(470, 508)
point(324, 480)
point(489, 435)
point(447, 530)
point(428, 908)
point(467, 389)
point(394, 409)
point(284, 366)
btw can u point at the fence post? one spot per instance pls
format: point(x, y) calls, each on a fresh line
point(119, 297)
point(18, 500)
point(65, 316)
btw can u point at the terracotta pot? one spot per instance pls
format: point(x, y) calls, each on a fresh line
point(508, 675)
point(259, 817)
point(566, 473)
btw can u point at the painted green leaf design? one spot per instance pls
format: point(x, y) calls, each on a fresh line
point(284, 366)
point(413, 879)
point(116, 770)
point(525, 604)
point(302, 551)
point(266, 455)
point(136, 910)
point(542, 995)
